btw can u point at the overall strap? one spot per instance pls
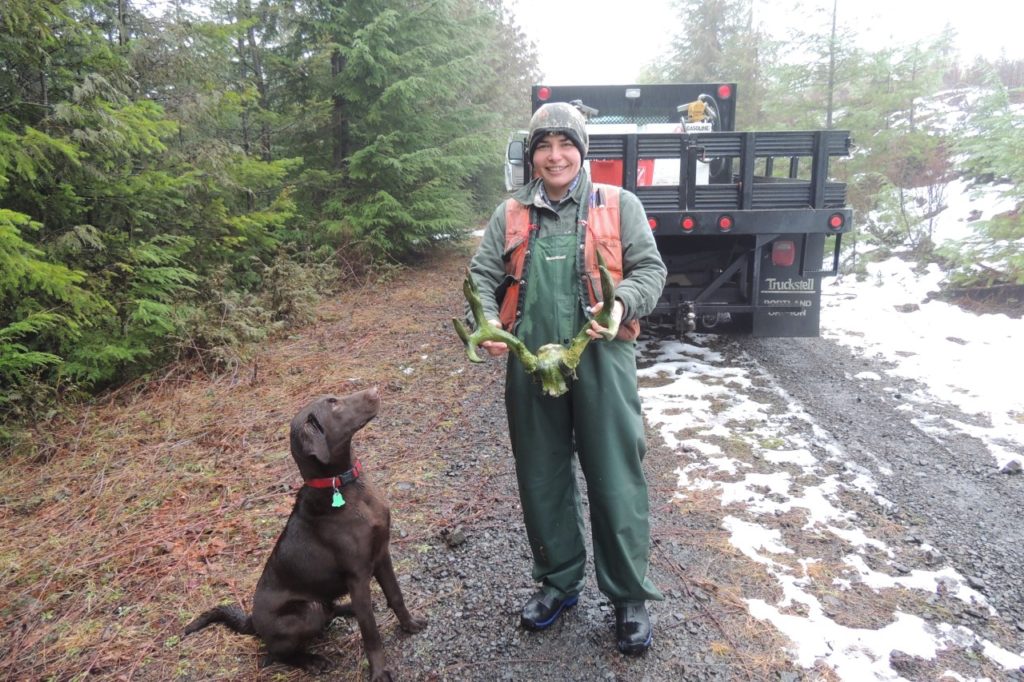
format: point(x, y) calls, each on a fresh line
point(602, 234)
point(521, 223)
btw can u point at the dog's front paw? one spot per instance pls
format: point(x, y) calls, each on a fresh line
point(343, 610)
point(414, 624)
point(315, 664)
point(382, 676)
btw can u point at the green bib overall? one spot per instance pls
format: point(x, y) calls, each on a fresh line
point(600, 419)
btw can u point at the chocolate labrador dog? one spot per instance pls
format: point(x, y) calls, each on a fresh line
point(335, 540)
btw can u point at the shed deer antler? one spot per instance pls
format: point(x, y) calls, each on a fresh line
point(553, 363)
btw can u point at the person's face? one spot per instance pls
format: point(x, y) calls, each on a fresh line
point(557, 160)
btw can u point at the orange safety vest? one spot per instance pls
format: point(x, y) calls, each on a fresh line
point(602, 234)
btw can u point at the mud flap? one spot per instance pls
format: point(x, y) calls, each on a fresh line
point(788, 299)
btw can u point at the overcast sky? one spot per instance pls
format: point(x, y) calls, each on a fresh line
point(602, 41)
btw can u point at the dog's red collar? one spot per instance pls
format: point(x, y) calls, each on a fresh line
point(337, 481)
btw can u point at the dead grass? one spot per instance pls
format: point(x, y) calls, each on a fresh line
point(160, 499)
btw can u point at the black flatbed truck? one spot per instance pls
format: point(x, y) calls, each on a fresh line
point(742, 219)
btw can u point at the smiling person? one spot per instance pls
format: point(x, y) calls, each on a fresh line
point(537, 272)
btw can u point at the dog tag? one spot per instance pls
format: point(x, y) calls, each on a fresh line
point(337, 500)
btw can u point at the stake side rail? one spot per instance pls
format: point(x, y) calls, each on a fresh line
point(742, 183)
point(736, 195)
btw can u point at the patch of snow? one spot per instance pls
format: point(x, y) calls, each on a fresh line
point(970, 361)
point(695, 401)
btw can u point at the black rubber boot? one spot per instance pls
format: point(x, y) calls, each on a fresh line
point(544, 608)
point(633, 633)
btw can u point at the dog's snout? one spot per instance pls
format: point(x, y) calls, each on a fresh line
point(366, 397)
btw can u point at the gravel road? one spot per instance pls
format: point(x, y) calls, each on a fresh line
point(948, 506)
point(945, 485)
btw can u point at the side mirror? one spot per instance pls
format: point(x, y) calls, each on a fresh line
point(516, 152)
point(515, 165)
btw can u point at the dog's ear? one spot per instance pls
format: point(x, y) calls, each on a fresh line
point(314, 441)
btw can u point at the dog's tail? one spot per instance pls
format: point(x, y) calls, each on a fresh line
point(231, 615)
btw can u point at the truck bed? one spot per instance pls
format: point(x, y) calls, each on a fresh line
point(747, 223)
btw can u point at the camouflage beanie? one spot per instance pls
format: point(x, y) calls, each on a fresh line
point(559, 117)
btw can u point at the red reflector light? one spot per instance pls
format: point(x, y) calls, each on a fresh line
point(783, 253)
point(543, 94)
point(836, 221)
point(725, 223)
point(724, 91)
point(653, 222)
point(688, 223)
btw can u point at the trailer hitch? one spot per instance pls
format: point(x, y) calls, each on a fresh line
point(686, 319)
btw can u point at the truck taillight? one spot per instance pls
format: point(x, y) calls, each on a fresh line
point(724, 91)
point(783, 253)
point(688, 223)
point(725, 223)
point(544, 93)
point(836, 221)
point(653, 222)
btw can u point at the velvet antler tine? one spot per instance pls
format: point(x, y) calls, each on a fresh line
point(485, 331)
point(472, 295)
point(604, 316)
point(466, 337)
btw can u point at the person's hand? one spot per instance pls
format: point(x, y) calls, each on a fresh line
point(596, 331)
point(494, 348)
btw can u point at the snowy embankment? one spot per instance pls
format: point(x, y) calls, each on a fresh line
point(971, 361)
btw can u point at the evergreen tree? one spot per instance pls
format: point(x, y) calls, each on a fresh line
point(399, 114)
point(989, 146)
point(810, 85)
point(92, 196)
point(180, 180)
point(42, 303)
point(905, 163)
point(718, 41)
